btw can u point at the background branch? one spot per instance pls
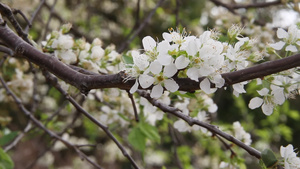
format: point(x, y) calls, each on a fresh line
point(214, 129)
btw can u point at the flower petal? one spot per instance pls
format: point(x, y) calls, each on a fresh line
point(205, 86)
point(148, 43)
point(171, 85)
point(239, 87)
point(277, 45)
point(182, 62)
point(263, 91)
point(146, 81)
point(134, 87)
point(291, 48)
point(164, 58)
point(255, 102)
point(170, 70)
point(155, 67)
point(193, 73)
point(157, 91)
point(281, 33)
point(267, 108)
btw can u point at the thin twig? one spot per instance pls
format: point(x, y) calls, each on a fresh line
point(6, 50)
point(227, 146)
point(125, 44)
point(41, 126)
point(33, 16)
point(49, 19)
point(53, 80)
point(176, 143)
point(214, 129)
point(133, 105)
point(7, 12)
point(19, 137)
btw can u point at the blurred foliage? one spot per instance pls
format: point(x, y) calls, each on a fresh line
point(112, 21)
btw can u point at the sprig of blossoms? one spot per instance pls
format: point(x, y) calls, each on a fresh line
point(184, 55)
point(290, 39)
point(283, 85)
point(79, 52)
point(291, 161)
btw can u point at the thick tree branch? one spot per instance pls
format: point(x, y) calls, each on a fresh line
point(232, 7)
point(85, 82)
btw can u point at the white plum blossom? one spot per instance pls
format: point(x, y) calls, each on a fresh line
point(241, 134)
point(291, 161)
point(151, 112)
point(270, 100)
point(163, 79)
point(290, 38)
point(180, 54)
point(63, 45)
point(238, 88)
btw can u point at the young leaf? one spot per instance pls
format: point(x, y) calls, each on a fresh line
point(269, 158)
point(5, 160)
point(137, 139)
point(150, 132)
point(8, 138)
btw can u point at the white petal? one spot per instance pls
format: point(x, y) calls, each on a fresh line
point(157, 91)
point(218, 80)
point(205, 86)
point(155, 67)
point(255, 102)
point(171, 85)
point(206, 70)
point(191, 49)
point(181, 62)
point(212, 108)
point(278, 95)
point(263, 91)
point(141, 61)
point(239, 87)
point(167, 36)
point(146, 81)
point(170, 70)
point(164, 58)
point(148, 43)
point(267, 108)
point(291, 48)
point(193, 73)
point(134, 87)
point(281, 33)
point(277, 45)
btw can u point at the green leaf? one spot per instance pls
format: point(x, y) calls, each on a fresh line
point(127, 59)
point(5, 160)
point(150, 132)
point(187, 95)
point(269, 158)
point(137, 139)
point(8, 138)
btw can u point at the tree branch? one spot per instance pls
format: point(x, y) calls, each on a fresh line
point(214, 129)
point(42, 127)
point(85, 82)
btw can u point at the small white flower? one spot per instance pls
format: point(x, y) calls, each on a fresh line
point(181, 62)
point(97, 53)
point(291, 161)
point(148, 43)
point(290, 38)
point(63, 42)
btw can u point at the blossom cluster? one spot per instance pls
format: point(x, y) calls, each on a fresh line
point(281, 86)
point(291, 161)
point(89, 56)
point(183, 55)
